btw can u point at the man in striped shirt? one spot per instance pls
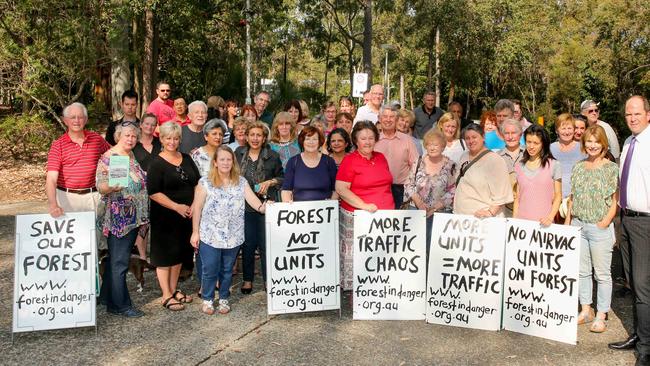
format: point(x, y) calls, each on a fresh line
point(72, 163)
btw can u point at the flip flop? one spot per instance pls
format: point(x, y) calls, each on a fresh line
point(182, 298)
point(176, 306)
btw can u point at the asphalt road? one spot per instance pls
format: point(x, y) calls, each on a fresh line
point(247, 336)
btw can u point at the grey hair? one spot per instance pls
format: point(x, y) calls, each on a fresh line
point(120, 128)
point(504, 104)
point(197, 103)
point(66, 110)
point(510, 122)
point(214, 123)
point(170, 129)
point(385, 107)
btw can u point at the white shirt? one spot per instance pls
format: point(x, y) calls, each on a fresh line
point(366, 114)
point(455, 151)
point(638, 180)
point(612, 140)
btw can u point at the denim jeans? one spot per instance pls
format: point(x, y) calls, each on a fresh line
point(217, 266)
point(198, 263)
point(595, 252)
point(254, 238)
point(114, 292)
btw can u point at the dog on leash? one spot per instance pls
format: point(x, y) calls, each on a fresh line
point(137, 266)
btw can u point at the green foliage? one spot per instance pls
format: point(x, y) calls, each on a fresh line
point(26, 137)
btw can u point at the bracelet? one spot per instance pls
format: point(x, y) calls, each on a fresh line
point(262, 204)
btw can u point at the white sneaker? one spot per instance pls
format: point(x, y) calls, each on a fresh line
point(224, 308)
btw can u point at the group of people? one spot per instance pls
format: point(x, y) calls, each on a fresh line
point(199, 184)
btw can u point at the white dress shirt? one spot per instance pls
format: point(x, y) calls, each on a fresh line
point(638, 180)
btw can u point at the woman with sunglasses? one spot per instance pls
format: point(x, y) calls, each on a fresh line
point(170, 182)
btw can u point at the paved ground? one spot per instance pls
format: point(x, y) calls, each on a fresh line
point(247, 336)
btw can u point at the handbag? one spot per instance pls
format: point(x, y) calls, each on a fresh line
point(407, 204)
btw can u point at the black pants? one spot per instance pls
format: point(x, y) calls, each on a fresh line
point(635, 249)
point(255, 238)
point(398, 194)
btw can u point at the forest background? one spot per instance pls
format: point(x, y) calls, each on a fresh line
point(549, 54)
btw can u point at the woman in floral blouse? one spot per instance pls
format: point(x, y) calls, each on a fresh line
point(592, 207)
point(431, 184)
point(218, 225)
point(122, 212)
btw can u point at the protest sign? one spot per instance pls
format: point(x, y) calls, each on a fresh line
point(54, 272)
point(465, 271)
point(389, 265)
point(540, 295)
point(302, 256)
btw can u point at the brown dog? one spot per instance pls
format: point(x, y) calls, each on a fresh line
point(137, 266)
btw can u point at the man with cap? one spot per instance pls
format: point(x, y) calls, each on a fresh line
point(590, 110)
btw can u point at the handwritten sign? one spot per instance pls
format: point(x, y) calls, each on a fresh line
point(302, 257)
point(541, 280)
point(389, 265)
point(54, 272)
point(465, 272)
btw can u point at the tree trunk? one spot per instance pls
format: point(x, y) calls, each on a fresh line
point(350, 65)
point(155, 77)
point(327, 59)
point(430, 64)
point(120, 72)
point(437, 67)
point(147, 62)
point(137, 66)
point(367, 41)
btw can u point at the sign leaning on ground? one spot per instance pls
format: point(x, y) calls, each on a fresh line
point(465, 272)
point(54, 272)
point(541, 280)
point(302, 257)
point(389, 265)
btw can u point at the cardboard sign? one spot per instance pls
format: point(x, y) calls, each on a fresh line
point(54, 272)
point(389, 265)
point(465, 272)
point(302, 256)
point(540, 295)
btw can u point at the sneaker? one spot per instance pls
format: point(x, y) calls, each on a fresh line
point(224, 308)
point(207, 307)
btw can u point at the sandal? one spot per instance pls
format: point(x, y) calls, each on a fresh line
point(598, 326)
point(586, 316)
point(173, 306)
point(224, 307)
point(181, 297)
point(207, 308)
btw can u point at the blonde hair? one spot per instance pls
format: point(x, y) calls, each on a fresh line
point(239, 121)
point(432, 135)
point(601, 138)
point(214, 176)
point(448, 117)
point(409, 115)
point(282, 117)
point(170, 129)
point(564, 119)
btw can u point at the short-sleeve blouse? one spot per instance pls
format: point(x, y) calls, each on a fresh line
point(286, 150)
point(369, 179)
point(592, 190)
point(120, 212)
point(432, 189)
point(202, 160)
point(222, 218)
point(310, 184)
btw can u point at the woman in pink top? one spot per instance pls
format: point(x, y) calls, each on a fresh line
point(539, 179)
point(363, 182)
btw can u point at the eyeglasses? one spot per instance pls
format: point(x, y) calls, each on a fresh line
point(182, 173)
point(593, 111)
point(164, 90)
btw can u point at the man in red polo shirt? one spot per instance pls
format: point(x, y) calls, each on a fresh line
point(72, 163)
point(162, 106)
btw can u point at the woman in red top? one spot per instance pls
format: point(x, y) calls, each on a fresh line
point(363, 182)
